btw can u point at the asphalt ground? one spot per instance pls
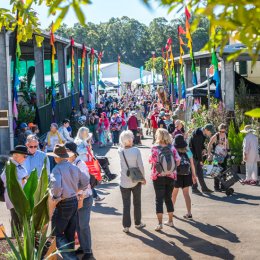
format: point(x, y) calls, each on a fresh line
point(222, 227)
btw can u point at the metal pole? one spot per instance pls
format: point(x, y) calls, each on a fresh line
point(9, 89)
point(207, 72)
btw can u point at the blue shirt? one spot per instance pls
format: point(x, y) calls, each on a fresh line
point(21, 174)
point(66, 179)
point(36, 161)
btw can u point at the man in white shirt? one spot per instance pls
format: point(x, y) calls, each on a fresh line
point(64, 131)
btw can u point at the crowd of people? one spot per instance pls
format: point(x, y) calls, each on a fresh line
point(176, 159)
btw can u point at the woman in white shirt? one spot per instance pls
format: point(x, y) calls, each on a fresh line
point(127, 186)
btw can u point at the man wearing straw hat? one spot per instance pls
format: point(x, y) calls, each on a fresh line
point(250, 155)
point(65, 181)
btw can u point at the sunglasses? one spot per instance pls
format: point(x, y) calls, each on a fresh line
point(31, 147)
point(223, 131)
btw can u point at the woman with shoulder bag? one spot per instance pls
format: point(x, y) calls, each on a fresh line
point(164, 159)
point(131, 179)
point(186, 175)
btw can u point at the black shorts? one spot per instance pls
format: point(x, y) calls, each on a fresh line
point(183, 181)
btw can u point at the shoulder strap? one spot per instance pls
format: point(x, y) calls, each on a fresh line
point(125, 159)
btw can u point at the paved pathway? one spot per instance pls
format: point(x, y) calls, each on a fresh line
point(223, 227)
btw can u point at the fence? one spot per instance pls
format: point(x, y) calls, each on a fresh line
point(62, 111)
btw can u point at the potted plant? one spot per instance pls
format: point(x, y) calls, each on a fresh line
point(236, 147)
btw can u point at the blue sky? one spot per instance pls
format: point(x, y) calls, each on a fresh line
point(103, 10)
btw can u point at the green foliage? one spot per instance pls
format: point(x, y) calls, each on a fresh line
point(31, 205)
point(235, 143)
point(26, 114)
point(131, 39)
point(158, 64)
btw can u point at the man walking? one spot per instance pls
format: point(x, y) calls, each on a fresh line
point(65, 181)
point(198, 149)
point(154, 119)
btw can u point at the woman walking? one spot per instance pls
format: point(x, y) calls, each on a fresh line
point(115, 126)
point(186, 175)
point(103, 128)
point(164, 158)
point(130, 157)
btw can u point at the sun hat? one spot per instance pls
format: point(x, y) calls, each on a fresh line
point(247, 129)
point(210, 128)
point(161, 114)
point(60, 151)
point(72, 147)
point(20, 149)
point(23, 125)
point(179, 142)
point(31, 125)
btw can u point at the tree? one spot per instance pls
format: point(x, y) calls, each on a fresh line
point(158, 64)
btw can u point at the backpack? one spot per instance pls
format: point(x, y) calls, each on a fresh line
point(165, 164)
point(171, 128)
point(184, 167)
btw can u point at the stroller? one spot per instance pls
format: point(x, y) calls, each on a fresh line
point(227, 178)
point(104, 164)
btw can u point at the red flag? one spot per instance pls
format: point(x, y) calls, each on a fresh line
point(72, 41)
point(187, 13)
point(181, 30)
point(163, 53)
point(169, 41)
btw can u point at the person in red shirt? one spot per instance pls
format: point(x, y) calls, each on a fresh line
point(133, 125)
point(154, 119)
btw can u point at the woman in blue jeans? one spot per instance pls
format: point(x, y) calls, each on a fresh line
point(83, 216)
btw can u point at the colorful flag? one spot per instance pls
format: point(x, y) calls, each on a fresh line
point(82, 66)
point(216, 77)
point(53, 90)
point(153, 68)
point(91, 66)
point(188, 36)
point(16, 81)
point(119, 72)
point(183, 87)
point(141, 74)
point(72, 72)
point(173, 75)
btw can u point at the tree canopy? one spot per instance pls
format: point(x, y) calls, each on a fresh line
point(132, 40)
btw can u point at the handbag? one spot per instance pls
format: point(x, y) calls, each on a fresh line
point(94, 167)
point(133, 173)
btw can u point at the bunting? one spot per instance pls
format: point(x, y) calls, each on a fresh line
point(82, 66)
point(216, 77)
point(16, 70)
point(91, 65)
point(183, 88)
point(53, 90)
point(173, 74)
point(72, 72)
point(189, 45)
point(99, 63)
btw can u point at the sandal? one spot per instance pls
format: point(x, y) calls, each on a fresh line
point(188, 216)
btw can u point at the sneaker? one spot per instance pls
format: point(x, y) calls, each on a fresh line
point(142, 225)
point(126, 230)
point(98, 199)
point(207, 191)
point(188, 216)
point(159, 227)
point(169, 224)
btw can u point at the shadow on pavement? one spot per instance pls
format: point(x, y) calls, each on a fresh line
point(247, 196)
point(200, 245)
point(234, 199)
point(165, 247)
point(212, 231)
point(102, 209)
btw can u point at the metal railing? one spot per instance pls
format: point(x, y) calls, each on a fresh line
point(63, 110)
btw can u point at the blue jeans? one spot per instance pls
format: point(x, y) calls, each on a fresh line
point(115, 137)
point(64, 221)
point(83, 228)
point(95, 195)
